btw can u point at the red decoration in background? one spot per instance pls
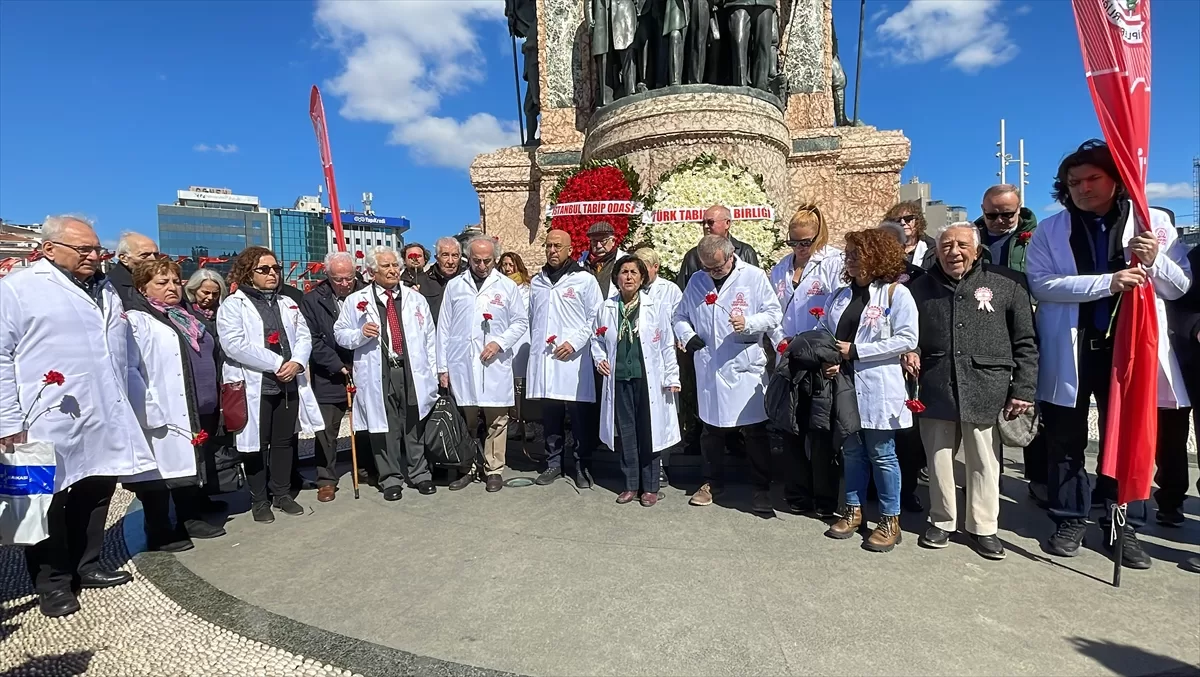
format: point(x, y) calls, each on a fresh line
point(593, 185)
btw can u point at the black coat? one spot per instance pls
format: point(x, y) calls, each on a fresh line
point(829, 405)
point(929, 258)
point(320, 308)
point(121, 278)
point(973, 361)
point(428, 286)
point(1183, 325)
point(691, 260)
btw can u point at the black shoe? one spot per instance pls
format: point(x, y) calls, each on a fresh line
point(800, 506)
point(426, 488)
point(1171, 517)
point(58, 604)
point(202, 529)
point(760, 503)
point(988, 547)
point(1067, 538)
point(1132, 555)
point(1037, 493)
point(934, 537)
point(174, 545)
point(207, 504)
point(825, 512)
point(289, 505)
point(464, 479)
point(923, 476)
point(367, 478)
point(104, 579)
point(262, 512)
point(911, 503)
point(1191, 564)
point(548, 477)
point(583, 478)
point(392, 493)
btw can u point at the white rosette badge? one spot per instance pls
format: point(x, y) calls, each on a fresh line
point(984, 296)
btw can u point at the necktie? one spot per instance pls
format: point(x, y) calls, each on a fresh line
point(393, 320)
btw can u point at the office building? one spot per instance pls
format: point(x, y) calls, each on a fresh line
point(300, 235)
point(937, 213)
point(211, 223)
point(17, 243)
point(363, 230)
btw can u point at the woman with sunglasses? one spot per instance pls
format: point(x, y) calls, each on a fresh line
point(267, 344)
point(919, 249)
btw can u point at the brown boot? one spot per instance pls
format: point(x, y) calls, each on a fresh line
point(848, 524)
point(886, 535)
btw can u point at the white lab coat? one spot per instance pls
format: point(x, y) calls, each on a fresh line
point(1054, 282)
point(168, 420)
point(822, 274)
point(461, 338)
point(731, 370)
point(878, 376)
point(658, 358)
point(666, 294)
point(567, 311)
point(240, 329)
point(47, 323)
point(420, 352)
point(520, 364)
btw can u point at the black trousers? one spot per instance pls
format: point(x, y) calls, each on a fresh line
point(75, 524)
point(635, 438)
point(714, 441)
point(1171, 456)
point(910, 452)
point(156, 501)
point(276, 430)
point(1035, 459)
point(814, 475)
point(583, 428)
point(1068, 486)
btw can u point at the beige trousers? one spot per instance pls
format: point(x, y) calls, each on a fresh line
point(494, 446)
point(980, 446)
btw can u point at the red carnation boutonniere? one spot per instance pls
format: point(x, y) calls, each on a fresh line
point(273, 338)
point(915, 406)
point(362, 306)
point(783, 346)
point(551, 339)
point(1025, 237)
point(710, 298)
point(817, 312)
point(601, 331)
point(487, 316)
point(53, 378)
point(199, 438)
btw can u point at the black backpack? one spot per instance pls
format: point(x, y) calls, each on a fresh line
point(447, 439)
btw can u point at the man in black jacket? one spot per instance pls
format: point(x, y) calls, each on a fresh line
point(329, 363)
point(1183, 323)
point(716, 221)
point(132, 248)
point(978, 360)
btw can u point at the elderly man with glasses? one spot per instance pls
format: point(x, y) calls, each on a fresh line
point(131, 249)
point(717, 221)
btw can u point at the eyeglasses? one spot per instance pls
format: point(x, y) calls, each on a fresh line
point(907, 219)
point(267, 270)
point(341, 280)
point(795, 244)
point(146, 256)
point(714, 269)
point(712, 222)
point(83, 250)
point(992, 216)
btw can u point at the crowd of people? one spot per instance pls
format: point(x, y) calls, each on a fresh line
point(875, 364)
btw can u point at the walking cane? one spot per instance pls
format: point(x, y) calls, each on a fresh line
point(350, 390)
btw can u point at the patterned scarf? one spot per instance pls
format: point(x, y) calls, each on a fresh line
point(182, 320)
point(627, 325)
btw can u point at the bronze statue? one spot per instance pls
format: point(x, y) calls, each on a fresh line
point(701, 28)
point(522, 23)
point(612, 24)
point(646, 43)
point(839, 88)
point(750, 29)
point(674, 26)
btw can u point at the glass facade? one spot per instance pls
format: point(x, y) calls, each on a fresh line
point(185, 230)
point(298, 237)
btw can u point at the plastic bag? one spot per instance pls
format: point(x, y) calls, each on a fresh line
point(26, 489)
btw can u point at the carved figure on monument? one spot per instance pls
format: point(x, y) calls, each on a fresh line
point(839, 88)
point(674, 28)
point(750, 29)
point(646, 43)
point(522, 23)
point(613, 24)
point(702, 27)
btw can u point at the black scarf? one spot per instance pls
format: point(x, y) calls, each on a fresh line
point(569, 266)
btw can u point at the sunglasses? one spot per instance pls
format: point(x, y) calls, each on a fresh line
point(267, 270)
point(907, 219)
point(712, 222)
point(795, 244)
point(992, 216)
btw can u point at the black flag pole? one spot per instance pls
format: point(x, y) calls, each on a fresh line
point(517, 81)
point(1118, 537)
point(862, 19)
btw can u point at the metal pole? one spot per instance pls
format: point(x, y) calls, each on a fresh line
point(862, 19)
point(517, 81)
point(1003, 161)
point(1021, 175)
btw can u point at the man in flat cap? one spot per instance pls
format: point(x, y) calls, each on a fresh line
point(602, 254)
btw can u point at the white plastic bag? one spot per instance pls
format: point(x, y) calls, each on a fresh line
point(26, 489)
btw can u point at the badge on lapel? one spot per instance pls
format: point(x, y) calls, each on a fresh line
point(984, 296)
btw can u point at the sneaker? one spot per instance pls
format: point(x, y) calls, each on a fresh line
point(262, 512)
point(1171, 517)
point(1067, 538)
point(934, 538)
point(289, 505)
point(988, 547)
point(703, 495)
point(548, 477)
point(761, 503)
point(1132, 555)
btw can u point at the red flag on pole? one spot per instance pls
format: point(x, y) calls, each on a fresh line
point(292, 268)
point(1115, 37)
point(316, 110)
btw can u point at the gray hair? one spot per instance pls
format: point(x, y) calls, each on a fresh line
point(897, 229)
point(332, 257)
point(962, 224)
point(200, 277)
point(496, 251)
point(710, 245)
point(371, 256)
point(123, 246)
point(453, 242)
point(54, 226)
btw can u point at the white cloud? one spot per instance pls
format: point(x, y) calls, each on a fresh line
point(401, 58)
point(1022, 10)
point(972, 33)
point(1167, 191)
point(215, 148)
point(1052, 208)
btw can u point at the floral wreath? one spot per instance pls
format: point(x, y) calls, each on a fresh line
point(594, 181)
point(700, 182)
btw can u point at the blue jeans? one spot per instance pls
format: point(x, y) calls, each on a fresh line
point(878, 455)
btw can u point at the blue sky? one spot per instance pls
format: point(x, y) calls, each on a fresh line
point(109, 108)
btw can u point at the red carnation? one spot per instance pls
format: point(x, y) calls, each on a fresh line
point(915, 406)
point(487, 316)
point(351, 389)
point(53, 378)
point(711, 298)
point(1025, 237)
point(358, 254)
point(362, 306)
point(817, 312)
point(601, 331)
point(199, 438)
point(273, 338)
point(782, 347)
point(552, 338)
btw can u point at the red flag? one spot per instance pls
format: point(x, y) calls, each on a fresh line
point(1115, 37)
point(316, 110)
point(292, 268)
point(181, 258)
point(34, 255)
point(211, 259)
